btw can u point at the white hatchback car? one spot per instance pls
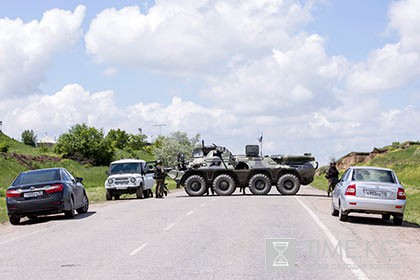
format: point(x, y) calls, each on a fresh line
point(371, 190)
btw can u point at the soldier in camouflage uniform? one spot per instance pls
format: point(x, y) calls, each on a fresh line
point(160, 179)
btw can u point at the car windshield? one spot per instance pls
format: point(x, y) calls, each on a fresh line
point(129, 167)
point(373, 175)
point(37, 176)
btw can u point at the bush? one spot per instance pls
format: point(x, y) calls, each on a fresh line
point(4, 147)
point(83, 143)
point(29, 138)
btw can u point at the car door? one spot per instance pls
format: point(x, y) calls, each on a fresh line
point(77, 188)
point(338, 188)
point(149, 173)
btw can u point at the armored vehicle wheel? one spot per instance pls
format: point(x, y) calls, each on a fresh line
point(139, 192)
point(195, 185)
point(259, 184)
point(224, 185)
point(288, 184)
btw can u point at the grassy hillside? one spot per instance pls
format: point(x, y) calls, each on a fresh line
point(405, 161)
point(21, 157)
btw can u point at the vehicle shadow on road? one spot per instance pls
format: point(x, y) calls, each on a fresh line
point(373, 221)
point(58, 217)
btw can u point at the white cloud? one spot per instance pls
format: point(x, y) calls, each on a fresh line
point(405, 19)
point(27, 49)
point(386, 68)
point(186, 36)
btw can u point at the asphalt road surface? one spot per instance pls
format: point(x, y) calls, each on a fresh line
point(236, 237)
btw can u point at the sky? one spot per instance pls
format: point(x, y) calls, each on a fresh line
point(317, 76)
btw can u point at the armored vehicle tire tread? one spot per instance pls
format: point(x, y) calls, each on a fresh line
point(224, 185)
point(288, 184)
point(195, 185)
point(259, 184)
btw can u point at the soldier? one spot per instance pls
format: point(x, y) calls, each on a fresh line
point(160, 179)
point(332, 176)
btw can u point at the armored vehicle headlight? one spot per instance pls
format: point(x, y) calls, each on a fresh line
point(132, 180)
point(110, 181)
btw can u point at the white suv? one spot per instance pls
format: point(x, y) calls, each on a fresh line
point(129, 176)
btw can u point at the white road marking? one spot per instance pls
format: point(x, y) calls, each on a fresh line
point(138, 249)
point(169, 227)
point(202, 205)
point(348, 261)
point(189, 213)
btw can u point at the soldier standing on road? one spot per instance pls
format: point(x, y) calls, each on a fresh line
point(332, 176)
point(160, 179)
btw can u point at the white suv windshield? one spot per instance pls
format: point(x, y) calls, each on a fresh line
point(130, 167)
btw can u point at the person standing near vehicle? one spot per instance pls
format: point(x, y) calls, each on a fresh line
point(160, 179)
point(332, 176)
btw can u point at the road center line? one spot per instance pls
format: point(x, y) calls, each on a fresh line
point(138, 249)
point(348, 261)
point(169, 227)
point(189, 213)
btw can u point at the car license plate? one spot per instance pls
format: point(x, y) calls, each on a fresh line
point(375, 194)
point(32, 194)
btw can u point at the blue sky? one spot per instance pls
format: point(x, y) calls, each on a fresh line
point(327, 77)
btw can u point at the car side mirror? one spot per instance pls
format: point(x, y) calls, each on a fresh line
point(107, 172)
point(79, 180)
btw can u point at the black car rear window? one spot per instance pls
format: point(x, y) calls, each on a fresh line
point(37, 176)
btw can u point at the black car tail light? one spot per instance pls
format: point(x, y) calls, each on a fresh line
point(54, 188)
point(13, 193)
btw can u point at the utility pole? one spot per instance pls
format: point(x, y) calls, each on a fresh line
point(1, 124)
point(160, 127)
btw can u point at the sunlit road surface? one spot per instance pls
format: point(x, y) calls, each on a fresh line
point(211, 237)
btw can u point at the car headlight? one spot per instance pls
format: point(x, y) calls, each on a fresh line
point(132, 180)
point(110, 181)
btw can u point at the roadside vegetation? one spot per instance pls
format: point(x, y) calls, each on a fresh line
point(404, 159)
point(86, 152)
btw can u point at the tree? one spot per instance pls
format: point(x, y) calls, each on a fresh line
point(137, 141)
point(167, 148)
point(119, 138)
point(29, 138)
point(86, 143)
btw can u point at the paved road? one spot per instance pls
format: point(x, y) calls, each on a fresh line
point(210, 238)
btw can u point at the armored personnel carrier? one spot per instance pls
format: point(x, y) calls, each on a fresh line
point(217, 168)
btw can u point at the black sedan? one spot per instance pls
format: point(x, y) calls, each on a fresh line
point(43, 192)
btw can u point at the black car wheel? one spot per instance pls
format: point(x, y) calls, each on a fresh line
point(108, 195)
point(139, 192)
point(85, 206)
point(14, 220)
point(69, 214)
